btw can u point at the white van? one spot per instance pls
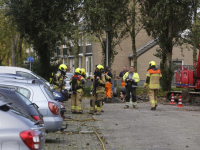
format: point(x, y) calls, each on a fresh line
point(22, 72)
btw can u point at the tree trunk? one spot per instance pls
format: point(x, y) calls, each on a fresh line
point(14, 49)
point(166, 69)
point(76, 46)
point(45, 62)
point(20, 51)
point(133, 37)
point(194, 34)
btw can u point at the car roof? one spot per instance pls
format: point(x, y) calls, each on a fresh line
point(15, 68)
point(19, 83)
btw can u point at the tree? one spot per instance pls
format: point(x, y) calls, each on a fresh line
point(44, 24)
point(108, 15)
point(165, 20)
point(133, 26)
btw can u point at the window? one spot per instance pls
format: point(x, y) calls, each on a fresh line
point(24, 98)
point(80, 62)
point(88, 42)
point(49, 93)
point(72, 64)
point(177, 64)
point(24, 92)
point(89, 66)
point(25, 74)
point(80, 40)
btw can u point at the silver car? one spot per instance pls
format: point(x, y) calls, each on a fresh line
point(22, 72)
point(42, 96)
point(19, 131)
point(67, 80)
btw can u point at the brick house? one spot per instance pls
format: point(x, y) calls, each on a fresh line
point(90, 54)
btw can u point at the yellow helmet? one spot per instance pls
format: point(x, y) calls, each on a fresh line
point(82, 71)
point(62, 67)
point(78, 70)
point(99, 67)
point(152, 63)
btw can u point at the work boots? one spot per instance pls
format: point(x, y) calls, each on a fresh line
point(153, 108)
point(135, 106)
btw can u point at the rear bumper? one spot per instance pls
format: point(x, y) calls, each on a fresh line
point(53, 124)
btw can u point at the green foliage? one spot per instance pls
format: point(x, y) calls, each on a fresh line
point(164, 20)
point(43, 23)
point(86, 91)
point(109, 15)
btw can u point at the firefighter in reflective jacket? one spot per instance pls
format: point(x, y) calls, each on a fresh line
point(131, 78)
point(58, 79)
point(77, 83)
point(98, 90)
point(153, 82)
point(108, 83)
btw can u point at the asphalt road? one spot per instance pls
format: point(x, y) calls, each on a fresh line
point(169, 127)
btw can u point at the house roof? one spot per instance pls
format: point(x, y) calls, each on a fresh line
point(144, 48)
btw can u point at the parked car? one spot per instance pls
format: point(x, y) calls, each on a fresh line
point(17, 78)
point(42, 96)
point(22, 75)
point(22, 72)
point(67, 80)
point(21, 102)
point(19, 131)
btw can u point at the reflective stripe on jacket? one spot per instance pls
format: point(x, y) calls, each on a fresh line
point(102, 81)
point(135, 76)
point(59, 80)
point(153, 78)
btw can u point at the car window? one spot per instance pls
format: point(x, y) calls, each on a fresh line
point(24, 92)
point(24, 98)
point(25, 74)
point(49, 93)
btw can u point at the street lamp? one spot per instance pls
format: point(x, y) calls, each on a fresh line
point(107, 30)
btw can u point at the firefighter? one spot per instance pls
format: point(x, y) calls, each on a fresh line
point(108, 84)
point(153, 77)
point(131, 78)
point(58, 79)
point(77, 83)
point(98, 90)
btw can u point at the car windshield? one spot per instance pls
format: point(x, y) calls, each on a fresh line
point(24, 98)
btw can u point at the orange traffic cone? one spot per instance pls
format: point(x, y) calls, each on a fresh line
point(180, 102)
point(172, 100)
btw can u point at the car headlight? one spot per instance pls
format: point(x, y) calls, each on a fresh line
point(56, 94)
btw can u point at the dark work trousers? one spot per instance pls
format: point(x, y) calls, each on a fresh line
point(131, 89)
